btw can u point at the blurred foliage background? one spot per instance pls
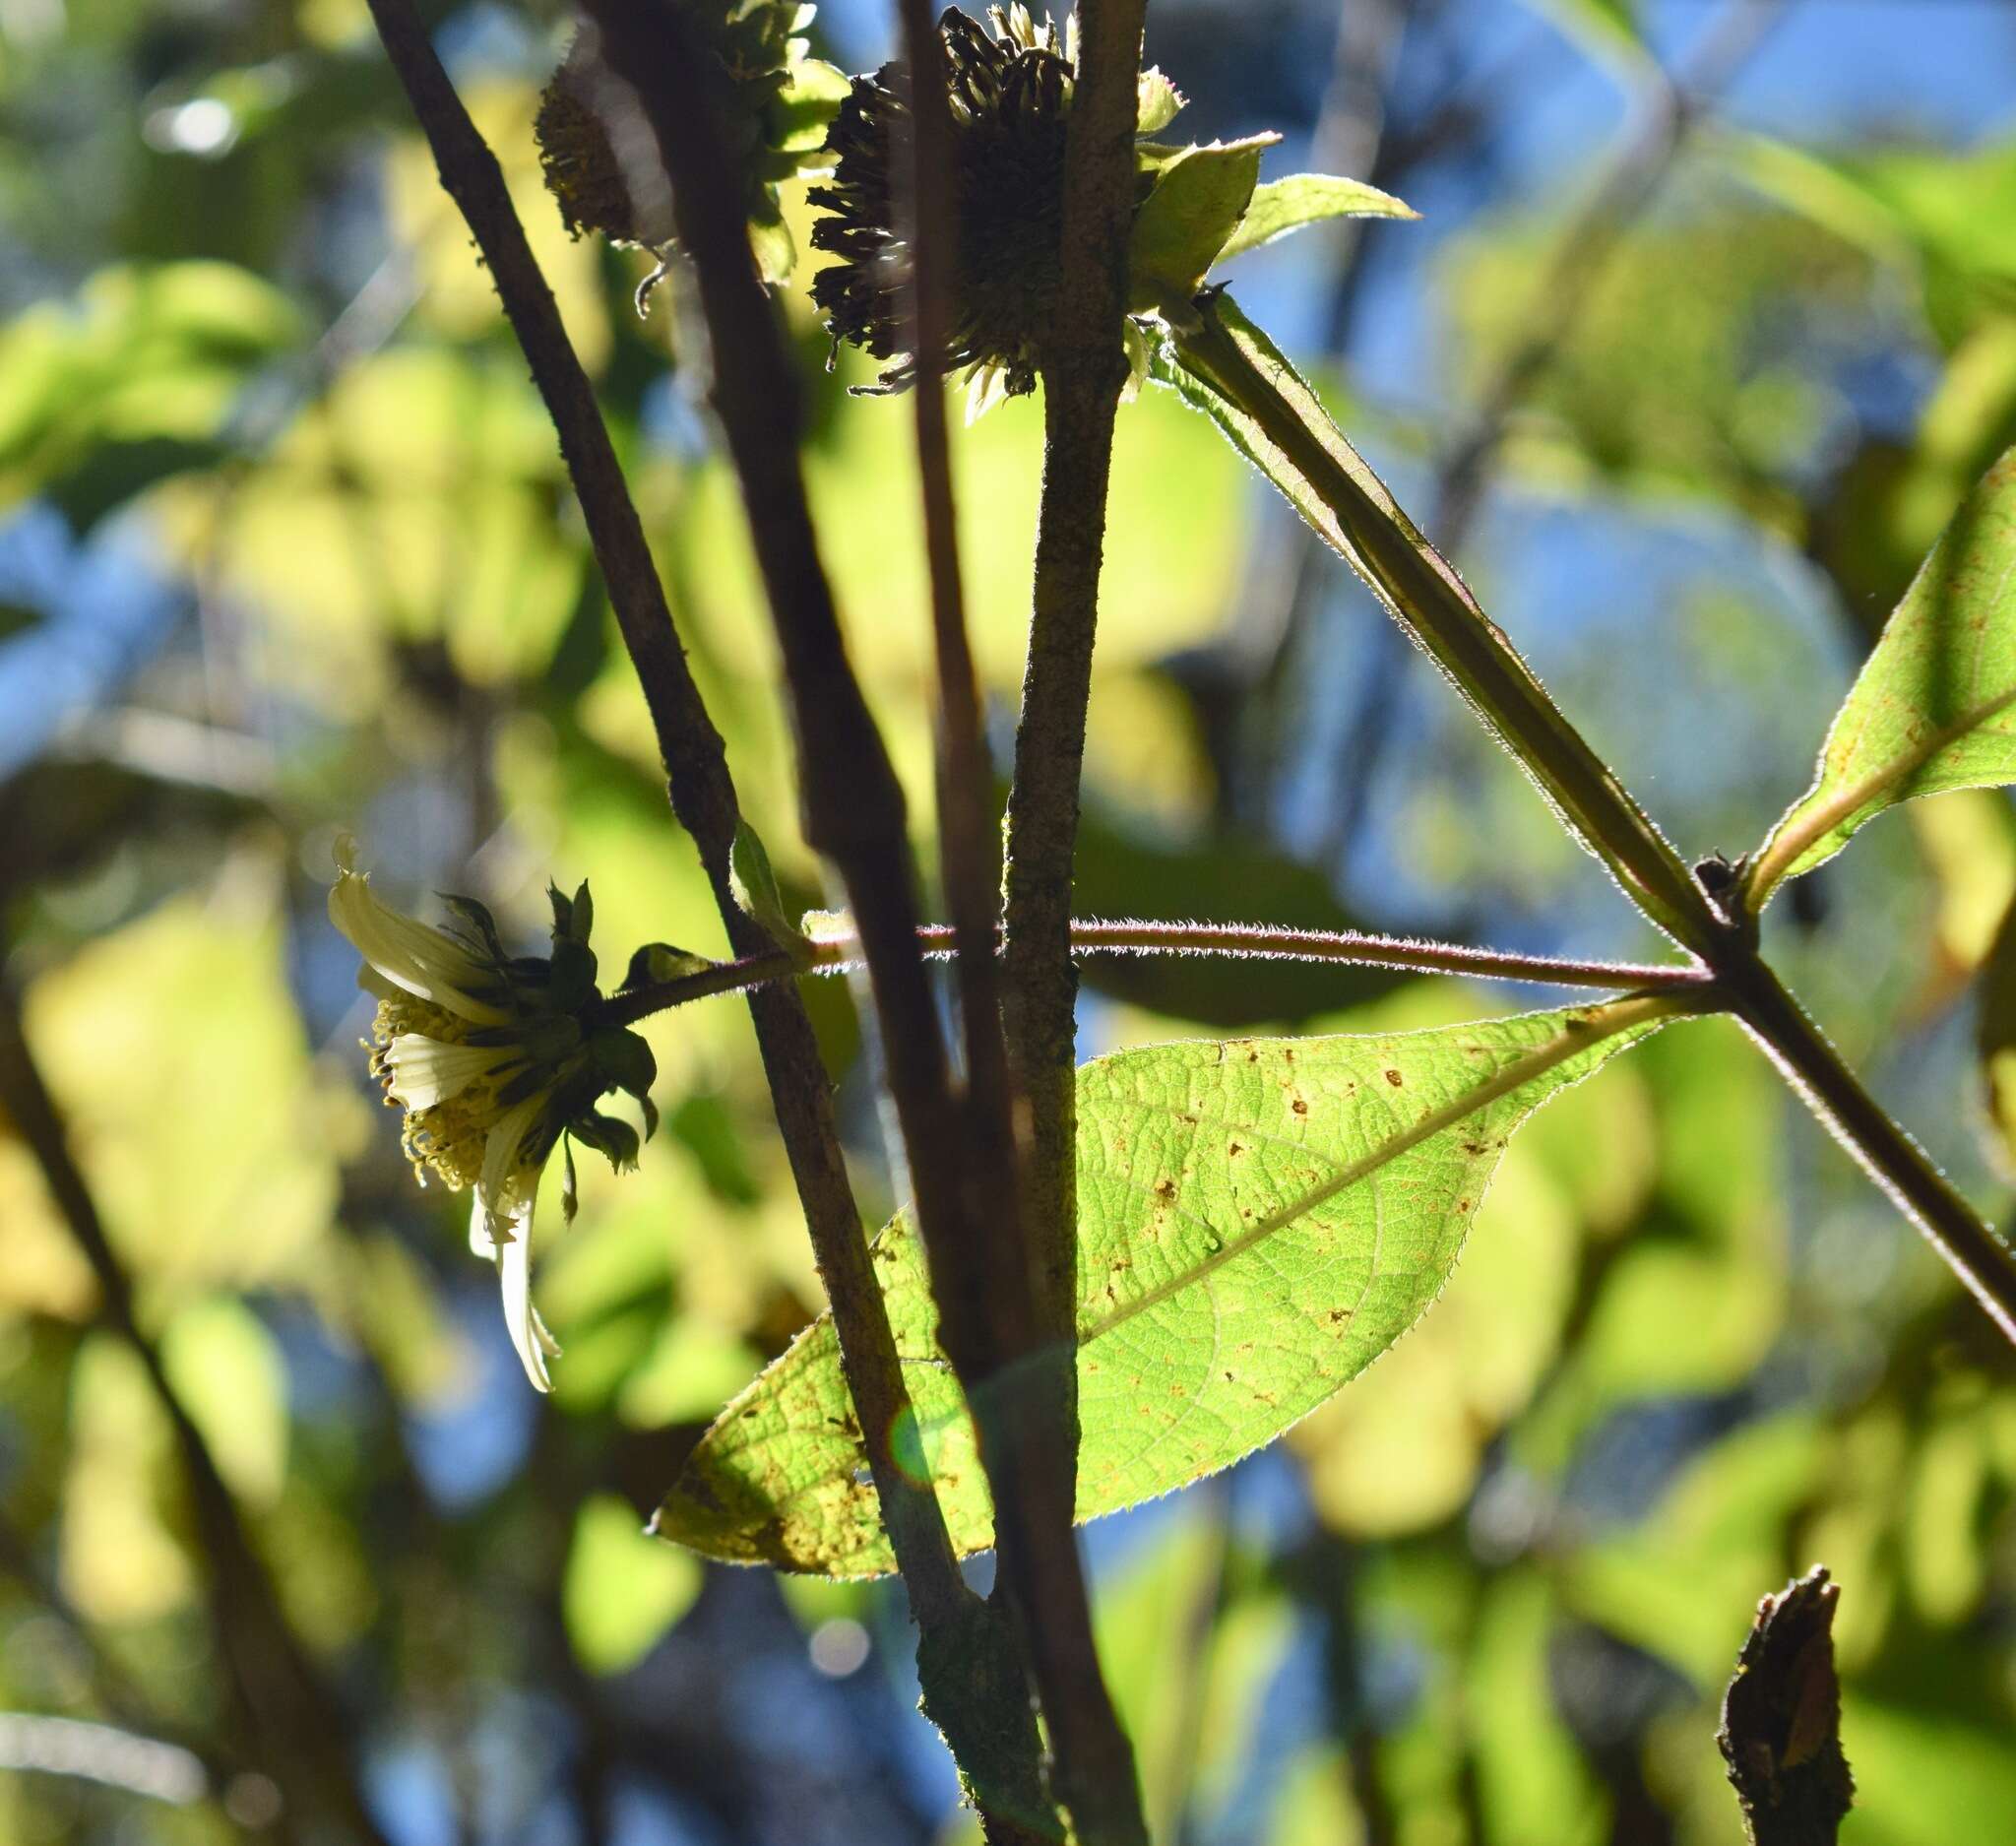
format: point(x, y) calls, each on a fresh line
point(286, 548)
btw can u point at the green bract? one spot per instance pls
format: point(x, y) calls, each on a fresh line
point(783, 102)
point(496, 1059)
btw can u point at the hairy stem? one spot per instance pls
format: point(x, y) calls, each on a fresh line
point(1877, 1144)
point(836, 954)
point(1084, 365)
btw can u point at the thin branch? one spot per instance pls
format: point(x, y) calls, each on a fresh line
point(837, 954)
point(703, 797)
point(1984, 1263)
point(300, 1731)
point(1265, 942)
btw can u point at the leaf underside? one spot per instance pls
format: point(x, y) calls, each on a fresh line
point(1934, 708)
point(1259, 1220)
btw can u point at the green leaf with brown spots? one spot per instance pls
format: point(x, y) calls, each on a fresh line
point(1259, 1220)
point(1934, 708)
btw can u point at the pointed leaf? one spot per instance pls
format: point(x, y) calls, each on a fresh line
point(1284, 205)
point(1259, 1220)
point(755, 888)
point(1934, 707)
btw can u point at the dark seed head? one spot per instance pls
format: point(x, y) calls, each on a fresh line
point(1010, 99)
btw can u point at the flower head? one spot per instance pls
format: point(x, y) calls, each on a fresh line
point(1010, 95)
point(1011, 90)
point(607, 177)
point(496, 1059)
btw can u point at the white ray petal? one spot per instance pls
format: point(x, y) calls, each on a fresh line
point(509, 1182)
point(426, 1071)
point(481, 1242)
point(521, 1319)
point(411, 954)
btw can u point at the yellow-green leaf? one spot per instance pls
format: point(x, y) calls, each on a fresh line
point(1197, 204)
point(1934, 707)
point(1284, 205)
point(1259, 1220)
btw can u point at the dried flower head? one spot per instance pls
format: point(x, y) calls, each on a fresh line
point(1010, 95)
point(496, 1059)
point(1010, 92)
point(602, 166)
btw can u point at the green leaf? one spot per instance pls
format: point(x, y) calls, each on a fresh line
point(805, 109)
point(1932, 706)
point(621, 1592)
point(1284, 205)
point(1158, 102)
point(1259, 1220)
point(1196, 205)
point(755, 888)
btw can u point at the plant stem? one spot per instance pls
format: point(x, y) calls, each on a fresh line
point(1084, 365)
point(1234, 373)
point(852, 804)
point(969, 867)
point(1238, 941)
point(1229, 367)
point(703, 795)
point(1877, 1144)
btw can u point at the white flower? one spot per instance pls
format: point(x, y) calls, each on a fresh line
point(494, 1060)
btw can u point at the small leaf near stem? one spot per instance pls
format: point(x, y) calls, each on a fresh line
point(1934, 706)
point(1285, 205)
